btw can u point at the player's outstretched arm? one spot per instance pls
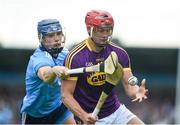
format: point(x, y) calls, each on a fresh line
point(48, 74)
point(135, 92)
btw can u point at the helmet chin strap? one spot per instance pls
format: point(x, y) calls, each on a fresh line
point(91, 31)
point(53, 51)
point(109, 39)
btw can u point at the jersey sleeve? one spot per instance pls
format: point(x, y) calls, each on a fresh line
point(124, 59)
point(39, 62)
point(71, 63)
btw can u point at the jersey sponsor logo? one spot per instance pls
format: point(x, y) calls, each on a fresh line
point(99, 60)
point(96, 78)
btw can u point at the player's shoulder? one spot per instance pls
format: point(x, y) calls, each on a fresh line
point(64, 52)
point(75, 53)
point(76, 49)
point(117, 48)
point(38, 54)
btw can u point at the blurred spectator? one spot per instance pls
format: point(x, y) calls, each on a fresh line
point(6, 114)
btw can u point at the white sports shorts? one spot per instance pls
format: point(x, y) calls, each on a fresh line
point(121, 116)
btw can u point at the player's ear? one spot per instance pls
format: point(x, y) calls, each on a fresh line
point(40, 38)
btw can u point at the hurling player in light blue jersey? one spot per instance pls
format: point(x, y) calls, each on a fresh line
point(42, 103)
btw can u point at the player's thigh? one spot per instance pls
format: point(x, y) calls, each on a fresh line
point(123, 115)
point(70, 120)
point(66, 118)
point(135, 120)
point(107, 120)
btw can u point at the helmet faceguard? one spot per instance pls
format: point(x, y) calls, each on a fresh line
point(46, 27)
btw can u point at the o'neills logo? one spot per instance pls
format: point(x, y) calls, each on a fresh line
point(96, 78)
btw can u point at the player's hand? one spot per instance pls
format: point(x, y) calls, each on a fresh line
point(142, 92)
point(60, 71)
point(89, 119)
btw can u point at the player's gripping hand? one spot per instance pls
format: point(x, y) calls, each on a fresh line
point(60, 71)
point(141, 93)
point(89, 119)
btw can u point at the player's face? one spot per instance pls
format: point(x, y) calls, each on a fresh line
point(102, 35)
point(54, 40)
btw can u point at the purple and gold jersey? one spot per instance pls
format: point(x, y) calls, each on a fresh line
point(90, 85)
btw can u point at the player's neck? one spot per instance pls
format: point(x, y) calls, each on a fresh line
point(94, 47)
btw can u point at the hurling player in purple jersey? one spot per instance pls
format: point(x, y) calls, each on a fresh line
point(80, 92)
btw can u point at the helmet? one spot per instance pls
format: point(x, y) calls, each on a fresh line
point(48, 26)
point(98, 18)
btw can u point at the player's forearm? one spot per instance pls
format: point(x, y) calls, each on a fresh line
point(130, 90)
point(48, 76)
point(73, 105)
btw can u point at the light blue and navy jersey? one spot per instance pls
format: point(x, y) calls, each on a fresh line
point(42, 98)
point(90, 85)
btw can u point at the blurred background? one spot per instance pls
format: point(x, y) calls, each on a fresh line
point(148, 30)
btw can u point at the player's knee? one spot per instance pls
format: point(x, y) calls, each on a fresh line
point(135, 120)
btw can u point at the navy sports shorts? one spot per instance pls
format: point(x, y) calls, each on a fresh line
point(51, 118)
